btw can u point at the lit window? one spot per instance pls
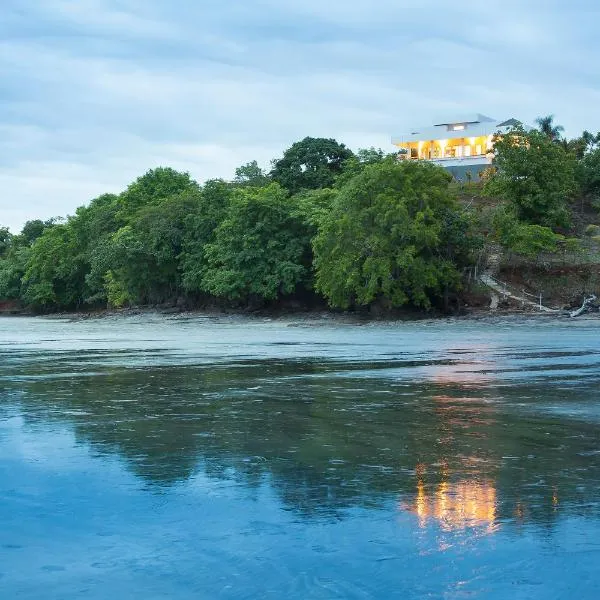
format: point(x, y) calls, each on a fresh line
point(457, 127)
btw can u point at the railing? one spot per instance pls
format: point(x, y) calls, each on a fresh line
point(478, 159)
point(513, 291)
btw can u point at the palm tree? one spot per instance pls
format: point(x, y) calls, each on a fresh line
point(547, 127)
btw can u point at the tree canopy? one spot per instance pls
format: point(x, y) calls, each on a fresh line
point(535, 175)
point(310, 164)
point(589, 173)
point(258, 248)
point(387, 238)
point(548, 128)
point(251, 174)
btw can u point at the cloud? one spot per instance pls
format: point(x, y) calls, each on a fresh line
point(95, 92)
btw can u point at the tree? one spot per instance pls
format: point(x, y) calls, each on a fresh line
point(12, 268)
point(154, 187)
point(312, 163)
point(535, 175)
point(547, 127)
point(200, 227)
point(369, 156)
point(15, 254)
point(92, 225)
point(388, 238)
point(139, 263)
point(32, 230)
point(355, 164)
point(5, 240)
point(55, 273)
point(589, 174)
point(132, 242)
point(251, 174)
point(522, 238)
point(257, 251)
point(587, 142)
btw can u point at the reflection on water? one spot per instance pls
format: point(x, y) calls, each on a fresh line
point(458, 505)
point(475, 370)
point(218, 459)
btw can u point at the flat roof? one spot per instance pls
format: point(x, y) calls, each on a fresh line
point(473, 129)
point(465, 118)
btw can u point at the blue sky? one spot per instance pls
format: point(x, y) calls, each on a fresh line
point(95, 92)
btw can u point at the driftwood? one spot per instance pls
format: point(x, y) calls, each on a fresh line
point(584, 307)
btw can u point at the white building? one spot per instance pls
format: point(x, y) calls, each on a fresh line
point(462, 144)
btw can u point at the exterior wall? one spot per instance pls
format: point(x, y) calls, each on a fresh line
point(480, 162)
point(465, 173)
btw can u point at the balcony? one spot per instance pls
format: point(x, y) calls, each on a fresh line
point(455, 161)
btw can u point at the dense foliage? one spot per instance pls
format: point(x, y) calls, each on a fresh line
point(536, 176)
point(325, 225)
point(257, 249)
point(310, 164)
point(390, 237)
point(589, 174)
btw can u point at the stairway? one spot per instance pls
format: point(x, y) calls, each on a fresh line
point(501, 290)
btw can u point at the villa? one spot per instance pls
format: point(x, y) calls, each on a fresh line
point(462, 145)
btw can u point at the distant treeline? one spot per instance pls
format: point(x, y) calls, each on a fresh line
point(325, 224)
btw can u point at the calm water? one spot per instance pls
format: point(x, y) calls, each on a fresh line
point(149, 457)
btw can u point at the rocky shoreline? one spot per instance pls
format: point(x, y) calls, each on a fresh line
point(468, 313)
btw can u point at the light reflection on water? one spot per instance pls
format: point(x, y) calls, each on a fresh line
point(244, 459)
point(455, 506)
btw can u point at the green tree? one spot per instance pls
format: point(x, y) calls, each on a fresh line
point(587, 142)
point(55, 273)
point(12, 268)
point(14, 256)
point(312, 206)
point(132, 242)
point(535, 175)
point(200, 227)
point(522, 238)
point(355, 164)
point(258, 248)
point(251, 174)
point(5, 240)
point(91, 226)
point(369, 156)
point(139, 263)
point(547, 127)
point(153, 188)
point(390, 237)
point(310, 164)
point(589, 174)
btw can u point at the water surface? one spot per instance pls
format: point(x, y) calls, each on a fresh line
point(155, 457)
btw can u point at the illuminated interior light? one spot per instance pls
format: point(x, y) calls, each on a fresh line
point(443, 144)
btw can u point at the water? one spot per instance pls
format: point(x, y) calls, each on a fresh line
point(153, 457)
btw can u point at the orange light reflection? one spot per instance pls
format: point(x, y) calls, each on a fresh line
point(456, 505)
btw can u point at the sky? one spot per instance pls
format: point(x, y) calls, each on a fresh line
point(93, 93)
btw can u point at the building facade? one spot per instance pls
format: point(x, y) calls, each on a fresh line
point(462, 145)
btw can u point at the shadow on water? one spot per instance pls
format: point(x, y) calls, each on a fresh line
point(450, 440)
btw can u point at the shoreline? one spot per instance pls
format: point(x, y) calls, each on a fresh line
point(349, 317)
